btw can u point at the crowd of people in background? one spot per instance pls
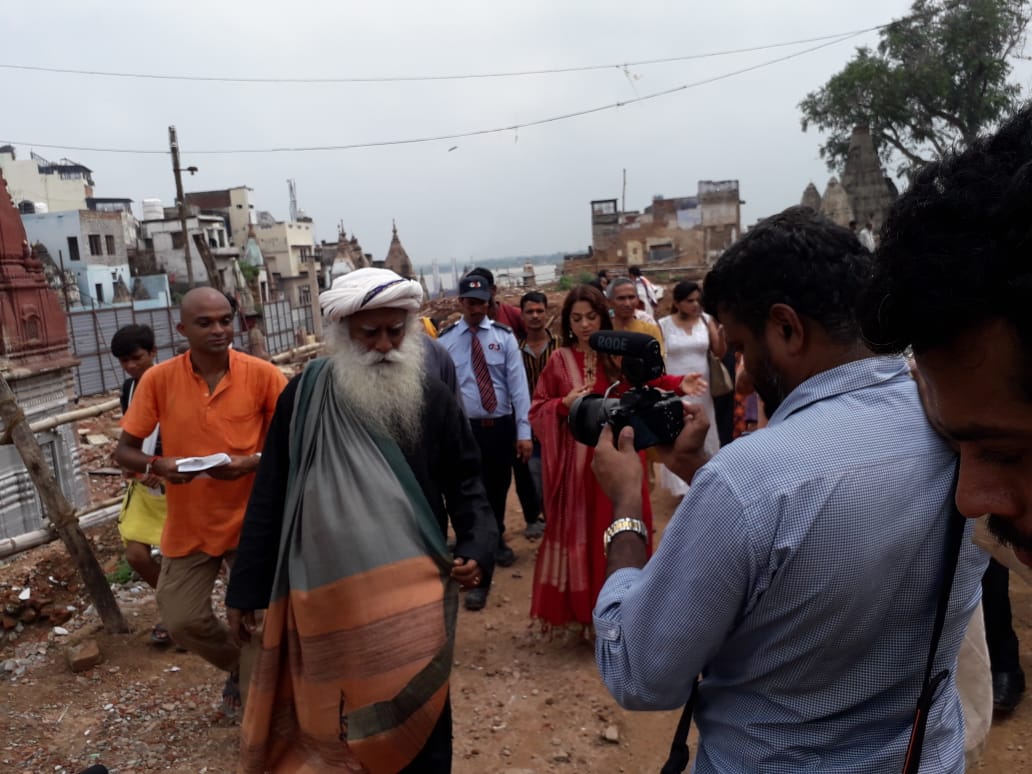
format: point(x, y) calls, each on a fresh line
point(799, 581)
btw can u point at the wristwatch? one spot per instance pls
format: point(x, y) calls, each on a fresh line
point(624, 525)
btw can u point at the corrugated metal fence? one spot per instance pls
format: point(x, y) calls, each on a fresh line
point(98, 371)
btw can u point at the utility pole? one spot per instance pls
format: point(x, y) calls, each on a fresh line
point(173, 145)
point(313, 294)
point(623, 194)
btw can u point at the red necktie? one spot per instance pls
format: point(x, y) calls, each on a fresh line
point(484, 383)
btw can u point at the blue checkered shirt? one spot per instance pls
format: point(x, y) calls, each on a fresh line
point(800, 575)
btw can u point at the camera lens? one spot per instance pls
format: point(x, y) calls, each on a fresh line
point(588, 415)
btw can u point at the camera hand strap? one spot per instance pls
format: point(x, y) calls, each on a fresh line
point(954, 539)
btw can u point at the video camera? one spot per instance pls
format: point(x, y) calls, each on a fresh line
point(657, 417)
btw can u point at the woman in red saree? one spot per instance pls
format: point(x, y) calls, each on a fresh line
point(571, 565)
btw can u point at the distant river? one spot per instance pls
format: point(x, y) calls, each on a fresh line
point(507, 277)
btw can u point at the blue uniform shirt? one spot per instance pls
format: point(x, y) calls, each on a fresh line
point(800, 576)
point(505, 364)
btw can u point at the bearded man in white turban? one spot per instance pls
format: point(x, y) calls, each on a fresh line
point(344, 548)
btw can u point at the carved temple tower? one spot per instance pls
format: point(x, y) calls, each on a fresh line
point(36, 361)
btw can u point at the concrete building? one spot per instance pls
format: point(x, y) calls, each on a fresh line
point(289, 250)
point(35, 360)
point(38, 185)
point(163, 242)
point(680, 232)
point(92, 246)
point(233, 204)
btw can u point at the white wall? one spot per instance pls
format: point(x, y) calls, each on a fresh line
point(283, 244)
point(53, 230)
point(24, 182)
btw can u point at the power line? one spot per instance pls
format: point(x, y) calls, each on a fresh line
point(459, 135)
point(417, 78)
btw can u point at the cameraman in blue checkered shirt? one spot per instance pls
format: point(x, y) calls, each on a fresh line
point(800, 575)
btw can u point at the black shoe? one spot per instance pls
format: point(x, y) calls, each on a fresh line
point(1007, 690)
point(476, 599)
point(534, 531)
point(505, 556)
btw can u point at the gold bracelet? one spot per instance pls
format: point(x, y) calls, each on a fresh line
point(624, 525)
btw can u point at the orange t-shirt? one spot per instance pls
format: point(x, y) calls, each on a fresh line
point(206, 514)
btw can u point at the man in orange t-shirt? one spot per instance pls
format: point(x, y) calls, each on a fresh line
point(210, 399)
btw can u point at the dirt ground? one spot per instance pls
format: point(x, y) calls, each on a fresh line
point(523, 703)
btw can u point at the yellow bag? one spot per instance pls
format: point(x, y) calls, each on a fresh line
point(142, 517)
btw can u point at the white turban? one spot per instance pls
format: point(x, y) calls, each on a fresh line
point(364, 289)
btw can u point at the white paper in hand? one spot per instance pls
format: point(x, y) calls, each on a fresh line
point(197, 464)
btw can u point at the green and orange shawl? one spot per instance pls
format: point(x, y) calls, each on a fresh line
point(358, 638)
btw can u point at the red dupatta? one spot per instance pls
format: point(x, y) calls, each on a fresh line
point(570, 567)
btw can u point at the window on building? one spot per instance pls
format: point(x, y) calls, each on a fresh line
point(99, 287)
point(222, 277)
point(109, 243)
point(177, 240)
point(222, 238)
point(95, 244)
point(73, 248)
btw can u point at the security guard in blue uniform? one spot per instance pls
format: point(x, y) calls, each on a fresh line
point(494, 392)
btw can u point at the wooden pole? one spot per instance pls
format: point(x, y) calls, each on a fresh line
point(173, 145)
point(59, 511)
point(71, 416)
point(105, 511)
point(200, 242)
point(313, 299)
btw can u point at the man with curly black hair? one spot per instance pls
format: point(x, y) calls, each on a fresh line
point(953, 281)
point(799, 575)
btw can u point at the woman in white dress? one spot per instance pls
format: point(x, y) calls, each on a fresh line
point(690, 334)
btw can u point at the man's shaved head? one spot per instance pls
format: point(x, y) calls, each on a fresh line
point(202, 298)
point(206, 320)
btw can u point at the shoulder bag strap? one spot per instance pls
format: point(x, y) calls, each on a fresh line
point(677, 762)
point(679, 752)
point(955, 538)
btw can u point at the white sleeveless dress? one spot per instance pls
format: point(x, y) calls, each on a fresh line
point(686, 354)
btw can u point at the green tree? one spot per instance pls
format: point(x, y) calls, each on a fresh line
point(937, 79)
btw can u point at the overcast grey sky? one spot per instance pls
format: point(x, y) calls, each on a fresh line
point(496, 195)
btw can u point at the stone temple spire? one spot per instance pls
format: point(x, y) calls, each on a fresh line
point(397, 259)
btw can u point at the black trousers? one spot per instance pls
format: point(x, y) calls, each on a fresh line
point(724, 405)
point(436, 755)
point(996, 609)
point(527, 476)
point(497, 441)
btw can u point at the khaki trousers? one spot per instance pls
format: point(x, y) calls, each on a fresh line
point(184, 600)
point(975, 685)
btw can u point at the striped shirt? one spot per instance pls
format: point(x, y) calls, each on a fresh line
point(800, 576)
point(533, 364)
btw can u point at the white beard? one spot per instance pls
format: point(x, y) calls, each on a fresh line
point(386, 390)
